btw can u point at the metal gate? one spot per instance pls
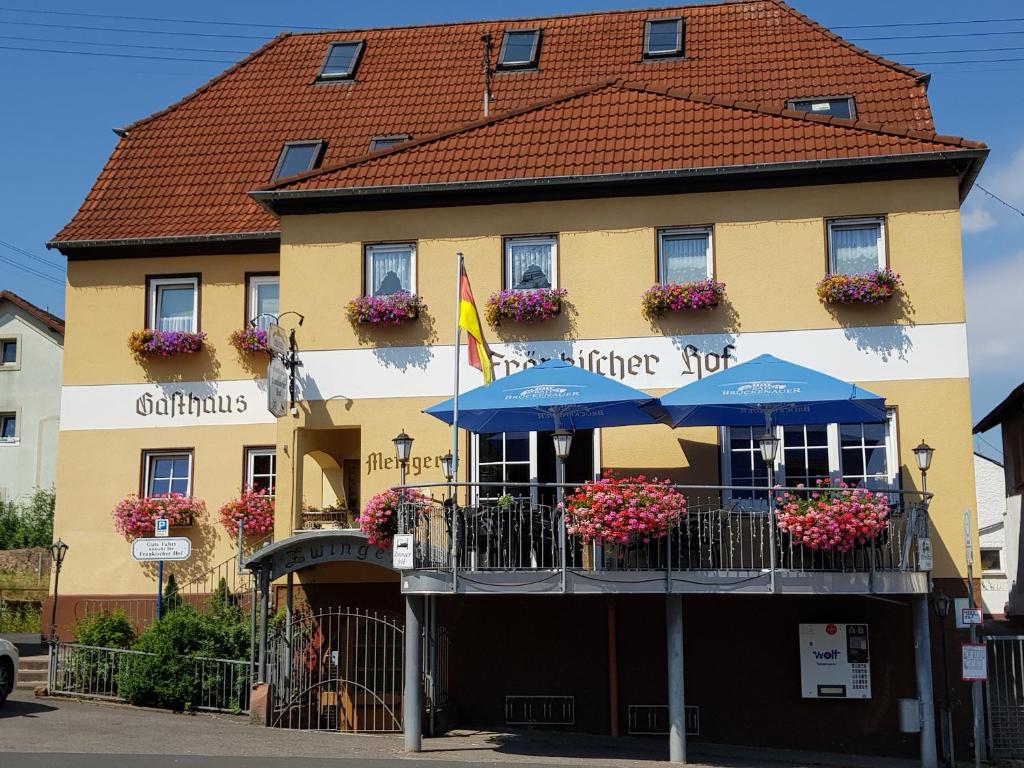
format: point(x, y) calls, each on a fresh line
point(338, 669)
point(1005, 695)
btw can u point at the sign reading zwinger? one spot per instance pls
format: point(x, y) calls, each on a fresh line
point(277, 387)
point(401, 553)
point(174, 548)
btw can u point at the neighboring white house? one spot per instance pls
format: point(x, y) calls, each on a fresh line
point(990, 492)
point(31, 360)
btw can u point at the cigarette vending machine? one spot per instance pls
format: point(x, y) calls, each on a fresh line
point(835, 662)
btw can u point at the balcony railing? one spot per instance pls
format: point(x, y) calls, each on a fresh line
point(728, 537)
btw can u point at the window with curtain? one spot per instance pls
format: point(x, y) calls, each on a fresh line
point(390, 268)
point(530, 262)
point(684, 255)
point(264, 299)
point(168, 473)
point(856, 246)
point(173, 304)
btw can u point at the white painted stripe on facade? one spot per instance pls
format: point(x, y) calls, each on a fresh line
point(884, 353)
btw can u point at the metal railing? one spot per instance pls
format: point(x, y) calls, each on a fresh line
point(93, 672)
point(725, 529)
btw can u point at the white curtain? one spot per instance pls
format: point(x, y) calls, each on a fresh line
point(267, 304)
point(531, 265)
point(390, 271)
point(684, 258)
point(174, 309)
point(855, 249)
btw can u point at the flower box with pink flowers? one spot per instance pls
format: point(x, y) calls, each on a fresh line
point(524, 306)
point(661, 299)
point(135, 516)
point(831, 517)
point(249, 340)
point(394, 309)
point(148, 344)
point(870, 288)
point(624, 511)
point(253, 509)
point(379, 518)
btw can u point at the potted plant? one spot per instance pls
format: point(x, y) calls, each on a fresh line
point(832, 517)
point(392, 309)
point(624, 511)
point(249, 340)
point(526, 306)
point(134, 515)
point(255, 506)
point(659, 300)
point(150, 343)
point(379, 518)
point(869, 288)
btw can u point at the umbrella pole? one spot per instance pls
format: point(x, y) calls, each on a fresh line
point(771, 510)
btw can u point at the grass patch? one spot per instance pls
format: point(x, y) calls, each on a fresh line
point(23, 617)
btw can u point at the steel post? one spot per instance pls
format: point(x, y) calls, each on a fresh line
point(412, 699)
point(676, 691)
point(923, 667)
point(264, 625)
point(560, 496)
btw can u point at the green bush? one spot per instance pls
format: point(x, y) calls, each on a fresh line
point(171, 597)
point(106, 630)
point(29, 523)
point(20, 616)
point(168, 679)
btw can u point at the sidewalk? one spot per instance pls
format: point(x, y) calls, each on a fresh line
point(37, 725)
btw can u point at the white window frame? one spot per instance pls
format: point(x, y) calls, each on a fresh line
point(15, 339)
point(834, 456)
point(254, 282)
point(551, 240)
point(1001, 570)
point(157, 283)
point(371, 248)
point(684, 231)
point(250, 455)
point(11, 414)
point(475, 466)
point(159, 454)
point(864, 220)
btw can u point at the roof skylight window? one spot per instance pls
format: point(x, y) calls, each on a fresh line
point(837, 107)
point(519, 48)
point(663, 38)
point(383, 142)
point(298, 157)
point(342, 60)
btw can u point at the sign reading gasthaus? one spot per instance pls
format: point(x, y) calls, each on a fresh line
point(655, 362)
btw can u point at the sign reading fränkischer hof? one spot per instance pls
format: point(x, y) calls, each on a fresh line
point(277, 387)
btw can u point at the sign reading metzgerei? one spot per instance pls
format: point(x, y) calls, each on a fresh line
point(277, 387)
point(171, 548)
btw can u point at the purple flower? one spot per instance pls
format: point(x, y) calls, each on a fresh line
point(151, 343)
point(393, 309)
point(526, 306)
point(679, 297)
point(870, 288)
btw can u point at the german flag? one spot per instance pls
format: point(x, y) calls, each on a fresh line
point(469, 321)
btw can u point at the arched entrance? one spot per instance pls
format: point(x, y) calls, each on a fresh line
point(339, 667)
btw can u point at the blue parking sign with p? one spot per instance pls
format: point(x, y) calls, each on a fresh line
point(163, 526)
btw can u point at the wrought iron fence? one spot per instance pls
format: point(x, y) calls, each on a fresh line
point(720, 532)
point(93, 672)
point(1005, 696)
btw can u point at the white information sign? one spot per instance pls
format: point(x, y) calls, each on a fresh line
point(401, 552)
point(162, 527)
point(835, 661)
point(925, 559)
point(277, 387)
point(971, 616)
point(277, 339)
point(975, 662)
point(176, 548)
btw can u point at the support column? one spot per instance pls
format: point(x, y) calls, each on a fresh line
point(923, 667)
point(264, 624)
point(613, 670)
point(676, 695)
point(412, 699)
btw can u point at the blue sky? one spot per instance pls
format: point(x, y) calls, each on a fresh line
point(59, 110)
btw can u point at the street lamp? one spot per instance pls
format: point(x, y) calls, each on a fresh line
point(942, 603)
point(769, 448)
point(923, 454)
point(446, 466)
point(563, 442)
point(57, 551)
point(403, 449)
point(769, 444)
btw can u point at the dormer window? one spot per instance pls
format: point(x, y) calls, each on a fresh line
point(663, 38)
point(383, 142)
point(842, 106)
point(298, 157)
point(342, 60)
point(519, 49)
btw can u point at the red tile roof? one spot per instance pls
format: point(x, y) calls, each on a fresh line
point(186, 171)
point(48, 319)
point(616, 128)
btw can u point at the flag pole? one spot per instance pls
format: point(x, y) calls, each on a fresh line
point(455, 398)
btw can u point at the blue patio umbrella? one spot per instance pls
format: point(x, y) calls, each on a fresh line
point(552, 395)
point(767, 390)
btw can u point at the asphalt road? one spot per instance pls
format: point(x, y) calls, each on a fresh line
point(65, 760)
